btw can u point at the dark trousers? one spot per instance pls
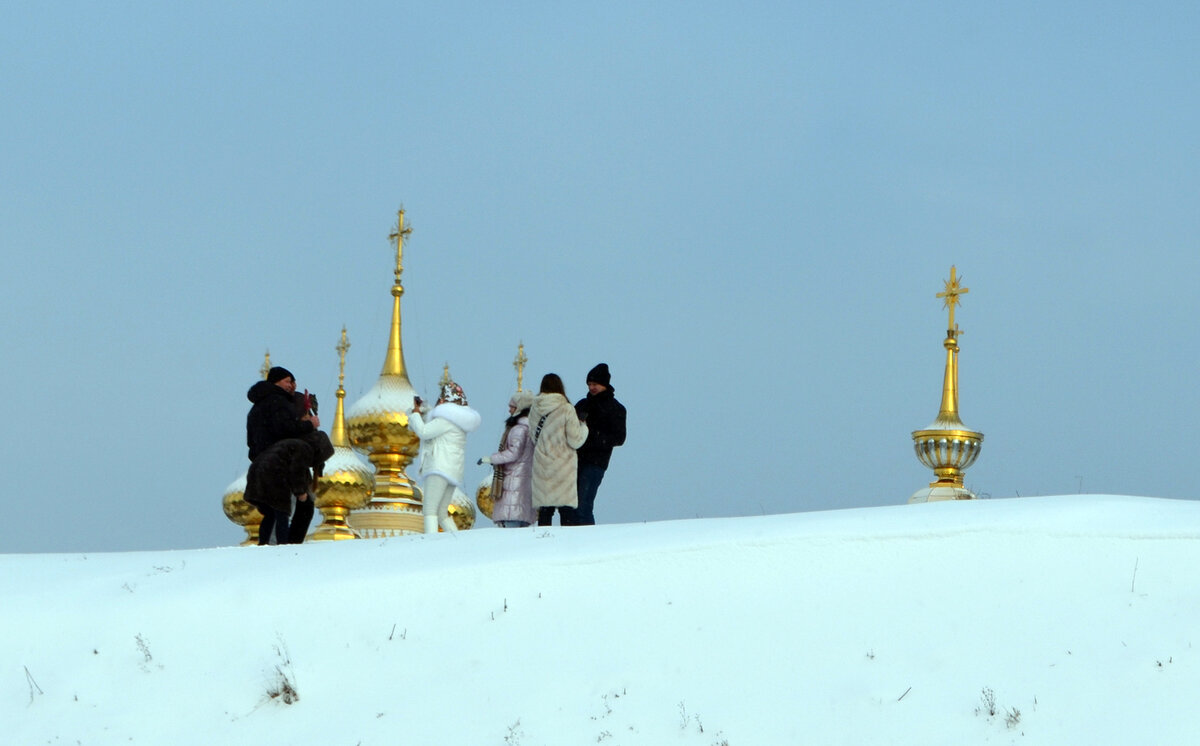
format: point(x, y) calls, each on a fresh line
point(588, 483)
point(287, 529)
point(566, 516)
point(301, 519)
point(273, 522)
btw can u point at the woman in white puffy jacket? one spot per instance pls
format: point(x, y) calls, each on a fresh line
point(514, 504)
point(443, 452)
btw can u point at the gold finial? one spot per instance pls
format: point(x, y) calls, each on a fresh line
point(946, 445)
point(445, 375)
point(950, 299)
point(343, 346)
point(266, 366)
point(398, 235)
point(393, 363)
point(337, 434)
point(519, 364)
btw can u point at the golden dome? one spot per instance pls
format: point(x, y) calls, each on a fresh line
point(946, 445)
point(461, 510)
point(377, 424)
point(347, 481)
point(241, 512)
point(484, 497)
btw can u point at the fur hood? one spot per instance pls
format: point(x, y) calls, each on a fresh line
point(459, 415)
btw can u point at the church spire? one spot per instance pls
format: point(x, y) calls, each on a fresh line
point(378, 424)
point(946, 445)
point(393, 363)
point(337, 434)
point(948, 411)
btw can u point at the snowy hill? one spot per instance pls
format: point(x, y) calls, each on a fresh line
point(1038, 620)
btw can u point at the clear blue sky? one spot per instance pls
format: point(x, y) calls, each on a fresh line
point(746, 211)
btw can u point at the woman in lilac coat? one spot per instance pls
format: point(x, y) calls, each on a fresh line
point(514, 505)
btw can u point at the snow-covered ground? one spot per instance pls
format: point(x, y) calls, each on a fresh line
point(1048, 620)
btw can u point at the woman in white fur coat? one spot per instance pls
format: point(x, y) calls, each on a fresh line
point(514, 504)
point(556, 432)
point(443, 452)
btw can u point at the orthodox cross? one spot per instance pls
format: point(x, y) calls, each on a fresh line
point(950, 297)
point(343, 346)
point(266, 366)
point(398, 234)
point(519, 364)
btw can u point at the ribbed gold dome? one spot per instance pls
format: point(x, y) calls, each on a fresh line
point(348, 481)
point(241, 512)
point(946, 445)
point(377, 424)
point(461, 510)
point(484, 497)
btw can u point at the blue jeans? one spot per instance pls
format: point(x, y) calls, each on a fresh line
point(588, 483)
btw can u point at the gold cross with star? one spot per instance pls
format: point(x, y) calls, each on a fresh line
point(950, 297)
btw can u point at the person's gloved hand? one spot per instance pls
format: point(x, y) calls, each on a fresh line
point(484, 460)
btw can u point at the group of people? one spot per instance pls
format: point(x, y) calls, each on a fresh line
point(552, 455)
point(287, 454)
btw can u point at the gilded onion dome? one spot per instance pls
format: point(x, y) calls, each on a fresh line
point(241, 512)
point(485, 496)
point(347, 481)
point(946, 445)
point(378, 425)
point(461, 510)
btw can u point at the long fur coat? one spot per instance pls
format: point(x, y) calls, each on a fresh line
point(556, 433)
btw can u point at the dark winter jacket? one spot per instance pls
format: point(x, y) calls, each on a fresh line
point(278, 473)
point(272, 418)
point(605, 419)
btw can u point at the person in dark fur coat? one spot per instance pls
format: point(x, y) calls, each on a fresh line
point(283, 444)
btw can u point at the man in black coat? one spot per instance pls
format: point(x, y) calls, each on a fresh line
point(282, 447)
point(605, 418)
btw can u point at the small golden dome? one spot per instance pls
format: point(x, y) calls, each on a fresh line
point(461, 510)
point(241, 512)
point(484, 497)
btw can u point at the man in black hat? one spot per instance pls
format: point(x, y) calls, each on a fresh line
point(605, 418)
point(281, 447)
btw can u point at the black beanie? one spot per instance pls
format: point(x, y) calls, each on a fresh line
point(599, 375)
point(277, 374)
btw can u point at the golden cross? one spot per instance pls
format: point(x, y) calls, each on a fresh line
point(343, 346)
point(950, 297)
point(445, 375)
point(519, 364)
point(266, 366)
point(398, 234)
